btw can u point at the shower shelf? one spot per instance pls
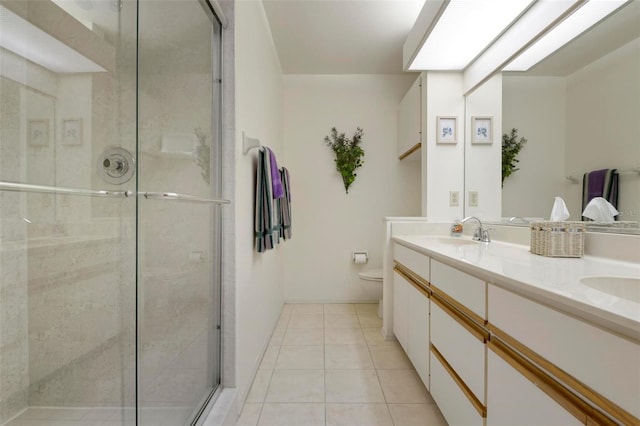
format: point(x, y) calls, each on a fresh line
point(60, 190)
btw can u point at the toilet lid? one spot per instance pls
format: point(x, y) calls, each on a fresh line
point(371, 275)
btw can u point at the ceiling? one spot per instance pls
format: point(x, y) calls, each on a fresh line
point(366, 36)
point(341, 36)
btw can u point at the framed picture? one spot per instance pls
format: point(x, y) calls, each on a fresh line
point(482, 130)
point(447, 130)
point(39, 132)
point(72, 131)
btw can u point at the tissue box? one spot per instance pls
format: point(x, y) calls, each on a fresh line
point(557, 239)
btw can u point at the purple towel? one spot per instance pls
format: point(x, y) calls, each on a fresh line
point(276, 182)
point(595, 183)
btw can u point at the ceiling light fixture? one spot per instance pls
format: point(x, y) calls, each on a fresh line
point(574, 25)
point(463, 30)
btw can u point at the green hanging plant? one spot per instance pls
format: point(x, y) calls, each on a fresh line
point(348, 152)
point(511, 146)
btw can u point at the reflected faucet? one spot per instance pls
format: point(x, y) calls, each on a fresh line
point(480, 234)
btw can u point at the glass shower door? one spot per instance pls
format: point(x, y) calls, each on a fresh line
point(178, 225)
point(67, 237)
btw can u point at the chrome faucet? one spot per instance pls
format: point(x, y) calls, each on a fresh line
point(480, 233)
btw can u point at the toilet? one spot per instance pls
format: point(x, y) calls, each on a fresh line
point(373, 279)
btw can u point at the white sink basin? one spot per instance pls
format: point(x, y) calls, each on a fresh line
point(623, 287)
point(450, 241)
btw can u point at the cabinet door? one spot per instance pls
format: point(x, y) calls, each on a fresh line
point(512, 400)
point(418, 333)
point(451, 400)
point(409, 118)
point(400, 309)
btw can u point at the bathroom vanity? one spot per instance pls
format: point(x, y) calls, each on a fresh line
point(500, 336)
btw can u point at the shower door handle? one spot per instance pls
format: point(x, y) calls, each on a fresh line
point(174, 196)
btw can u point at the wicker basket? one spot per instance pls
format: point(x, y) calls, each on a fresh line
point(558, 239)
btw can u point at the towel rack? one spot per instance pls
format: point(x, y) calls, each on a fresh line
point(249, 143)
point(60, 190)
point(634, 170)
point(174, 196)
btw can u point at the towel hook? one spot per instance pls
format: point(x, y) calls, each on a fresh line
point(249, 143)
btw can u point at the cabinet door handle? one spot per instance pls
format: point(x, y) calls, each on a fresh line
point(476, 330)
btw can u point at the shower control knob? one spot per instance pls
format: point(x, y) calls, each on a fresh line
point(116, 165)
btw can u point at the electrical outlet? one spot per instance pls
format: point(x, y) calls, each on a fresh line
point(473, 198)
point(454, 198)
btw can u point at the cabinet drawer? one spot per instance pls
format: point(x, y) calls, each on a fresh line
point(604, 362)
point(513, 400)
point(418, 263)
point(467, 290)
point(462, 350)
point(452, 401)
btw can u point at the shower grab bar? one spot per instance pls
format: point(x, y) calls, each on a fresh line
point(60, 190)
point(173, 196)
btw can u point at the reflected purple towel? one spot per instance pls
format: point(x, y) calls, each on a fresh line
point(600, 183)
point(276, 182)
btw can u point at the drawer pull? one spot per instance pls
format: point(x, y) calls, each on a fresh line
point(480, 408)
point(477, 331)
point(459, 306)
point(525, 354)
point(419, 283)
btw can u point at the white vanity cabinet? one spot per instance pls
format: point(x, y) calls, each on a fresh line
point(411, 307)
point(409, 123)
point(594, 363)
point(458, 344)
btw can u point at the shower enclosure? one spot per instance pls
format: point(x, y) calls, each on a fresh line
point(110, 228)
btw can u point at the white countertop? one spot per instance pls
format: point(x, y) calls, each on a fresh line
point(552, 281)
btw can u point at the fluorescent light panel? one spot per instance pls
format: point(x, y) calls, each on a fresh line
point(25, 39)
point(577, 23)
point(464, 29)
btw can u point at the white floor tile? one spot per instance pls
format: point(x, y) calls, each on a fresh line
point(341, 321)
point(353, 386)
point(339, 308)
point(269, 358)
point(300, 358)
point(370, 321)
point(343, 336)
point(358, 414)
point(306, 320)
point(292, 415)
point(403, 386)
point(303, 336)
point(366, 308)
point(308, 308)
point(296, 386)
point(277, 336)
point(347, 357)
point(260, 386)
point(249, 415)
point(390, 357)
point(416, 415)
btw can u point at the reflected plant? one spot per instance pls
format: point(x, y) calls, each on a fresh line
point(348, 152)
point(511, 147)
point(202, 154)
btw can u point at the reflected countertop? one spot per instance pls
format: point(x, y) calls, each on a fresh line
point(552, 281)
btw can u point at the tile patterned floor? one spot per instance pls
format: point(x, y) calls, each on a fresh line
point(328, 365)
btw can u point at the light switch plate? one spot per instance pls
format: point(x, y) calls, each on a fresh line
point(454, 198)
point(473, 198)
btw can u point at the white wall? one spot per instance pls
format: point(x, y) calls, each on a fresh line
point(603, 124)
point(329, 224)
point(258, 98)
point(536, 107)
point(482, 161)
point(443, 164)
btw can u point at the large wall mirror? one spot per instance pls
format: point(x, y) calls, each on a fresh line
point(579, 109)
